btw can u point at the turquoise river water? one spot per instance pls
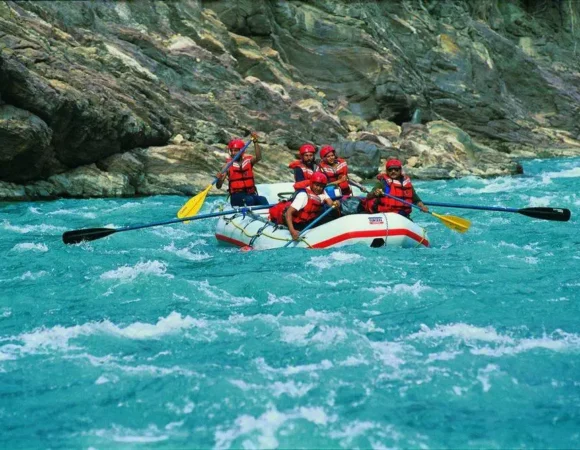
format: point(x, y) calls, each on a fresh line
point(161, 338)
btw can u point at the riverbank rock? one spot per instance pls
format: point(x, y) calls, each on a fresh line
point(131, 94)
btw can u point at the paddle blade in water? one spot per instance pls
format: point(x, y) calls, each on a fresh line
point(458, 224)
point(88, 234)
point(194, 204)
point(557, 214)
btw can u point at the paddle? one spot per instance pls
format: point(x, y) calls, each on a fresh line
point(360, 186)
point(314, 222)
point(92, 234)
point(194, 204)
point(455, 223)
point(557, 214)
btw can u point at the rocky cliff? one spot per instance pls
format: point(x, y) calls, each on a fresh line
point(119, 98)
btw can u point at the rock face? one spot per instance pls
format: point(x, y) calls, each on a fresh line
point(101, 98)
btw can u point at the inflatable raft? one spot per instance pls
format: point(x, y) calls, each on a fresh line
point(374, 230)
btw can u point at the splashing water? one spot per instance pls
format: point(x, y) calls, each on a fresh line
point(163, 338)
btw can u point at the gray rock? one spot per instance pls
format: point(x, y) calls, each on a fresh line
point(89, 181)
point(92, 90)
point(24, 144)
point(12, 192)
point(362, 157)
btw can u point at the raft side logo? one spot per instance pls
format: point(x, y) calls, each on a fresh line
point(376, 221)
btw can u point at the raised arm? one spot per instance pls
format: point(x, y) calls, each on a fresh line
point(220, 180)
point(257, 149)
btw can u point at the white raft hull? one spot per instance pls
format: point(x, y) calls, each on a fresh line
point(372, 230)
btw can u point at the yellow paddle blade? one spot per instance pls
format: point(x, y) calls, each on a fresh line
point(455, 223)
point(194, 204)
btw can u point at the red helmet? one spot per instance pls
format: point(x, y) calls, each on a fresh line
point(393, 163)
point(307, 148)
point(326, 150)
point(318, 177)
point(236, 144)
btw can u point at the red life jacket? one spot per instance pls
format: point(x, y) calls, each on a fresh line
point(241, 176)
point(368, 205)
point(332, 173)
point(311, 210)
point(276, 213)
point(403, 190)
point(307, 171)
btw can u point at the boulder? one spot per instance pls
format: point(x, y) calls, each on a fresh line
point(362, 157)
point(24, 144)
point(440, 149)
point(90, 181)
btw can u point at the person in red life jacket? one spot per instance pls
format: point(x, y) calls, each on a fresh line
point(396, 183)
point(308, 205)
point(241, 184)
point(335, 169)
point(304, 167)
